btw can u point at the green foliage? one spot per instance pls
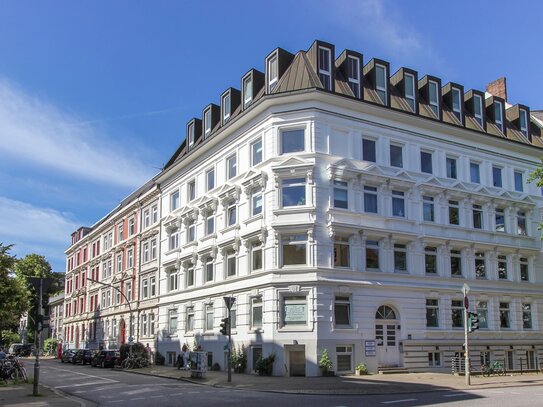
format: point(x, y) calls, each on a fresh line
point(50, 346)
point(138, 350)
point(325, 363)
point(159, 359)
point(239, 359)
point(8, 337)
point(362, 369)
point(13, 294)
point(264, 366)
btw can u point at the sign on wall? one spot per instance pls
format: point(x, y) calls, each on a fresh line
point(369, 347)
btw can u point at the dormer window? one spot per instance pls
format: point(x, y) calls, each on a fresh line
point(207, 122)
point(354, 75)
point(456, 103)
point(478, 109)
point(247, 91)
point(273, 73)
point(523, 121)
point(325, 67)
point(191, 135)
point(225, 108)
point(381, 82)
point(409, 84)
point(498, 115)
point(433, 97)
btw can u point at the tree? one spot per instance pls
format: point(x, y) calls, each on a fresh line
point(13, 294)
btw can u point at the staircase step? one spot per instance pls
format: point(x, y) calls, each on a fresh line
point(393, 370)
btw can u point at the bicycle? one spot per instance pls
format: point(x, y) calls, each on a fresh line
point(495, 367)
point(134, 362)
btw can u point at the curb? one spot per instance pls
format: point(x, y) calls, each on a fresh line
point(82, 402)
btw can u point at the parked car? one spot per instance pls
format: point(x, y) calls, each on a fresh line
point(68, 355)
point(21, 350)
point(83, 356)
point(106, 358)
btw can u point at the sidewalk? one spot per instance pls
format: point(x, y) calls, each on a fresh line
point(19, 395)
point(373, 384)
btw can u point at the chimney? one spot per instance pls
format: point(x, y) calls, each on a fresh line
point(498, 88)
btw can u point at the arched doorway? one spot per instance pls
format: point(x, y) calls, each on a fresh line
point(386, 322)
point(122, 332)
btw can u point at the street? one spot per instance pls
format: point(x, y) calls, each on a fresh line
point(108, 387)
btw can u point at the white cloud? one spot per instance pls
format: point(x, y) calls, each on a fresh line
point(38, 230)
point(36, 131)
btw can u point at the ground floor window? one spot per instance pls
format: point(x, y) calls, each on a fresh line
point(485, 358)
point(209, 359)
point(171, 358)
point(256, 353)
point(344, 355)
point(434, 359)
point(510, 360)
point(530, 359)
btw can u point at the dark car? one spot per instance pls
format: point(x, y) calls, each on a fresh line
point(18, 349)
point(68, 355)
point(106, 358)
point(83, 356)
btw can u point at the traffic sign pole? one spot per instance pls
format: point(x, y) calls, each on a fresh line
point(465, 290)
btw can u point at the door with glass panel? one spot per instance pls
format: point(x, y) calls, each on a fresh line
point(386, 323)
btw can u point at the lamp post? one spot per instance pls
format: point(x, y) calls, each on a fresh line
point(465, 291)
point(131, 338)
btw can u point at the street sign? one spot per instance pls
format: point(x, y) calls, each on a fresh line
point(130, 339)
point(229, 301)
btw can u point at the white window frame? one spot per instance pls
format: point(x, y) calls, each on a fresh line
point(231, 170)
point(174, 198)
point(173, 280)
point(478, 102)
point(207, 122)
point(210, 173)
point(523, 116)
point(210, 224)
point(254, 195)
point(325, 75)
point(247, 96)
point(286, 242)
point(255, 247)
point(231, 255)
point(253, 145)
point(226, 107)
point(380, 87)
point(434, 104)
point(353, 64)
point(498, 107)
point(410, 96)
point(191, 134)
point(273, 72)
point(209, 311)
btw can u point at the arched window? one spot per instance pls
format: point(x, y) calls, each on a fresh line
point(385, 312)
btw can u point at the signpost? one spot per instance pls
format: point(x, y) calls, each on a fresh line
point(229, 301)
point(465, 291)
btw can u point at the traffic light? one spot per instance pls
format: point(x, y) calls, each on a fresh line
point(42, 322)
point(473, 321)
point(225, 325)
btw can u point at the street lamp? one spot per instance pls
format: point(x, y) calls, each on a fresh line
point(131, 338)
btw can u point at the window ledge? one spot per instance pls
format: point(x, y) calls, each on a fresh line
point(189, 244)
point(253, 218)
point(229, 228)
point(208, 237)
point(293, 209)
point(256, 331)
point(188, 334)
point(301, 328)
point(208, 333)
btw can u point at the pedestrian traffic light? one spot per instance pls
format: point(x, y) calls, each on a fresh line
point(224, 326)
point(42, 322)
point(473, 321)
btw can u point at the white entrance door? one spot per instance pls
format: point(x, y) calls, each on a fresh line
point(388, 353)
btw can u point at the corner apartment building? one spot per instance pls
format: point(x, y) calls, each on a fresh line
point(111, 290)
point(56, 316)
point(344, 207)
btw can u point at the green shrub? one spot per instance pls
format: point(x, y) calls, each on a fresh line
point(325, 363)
point(239, 359)
point(264, 366)
point(138, 350)
point(50, 346)
point(362, 369)
point(159, 359)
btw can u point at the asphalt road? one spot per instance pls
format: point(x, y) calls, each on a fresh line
point(108, 387)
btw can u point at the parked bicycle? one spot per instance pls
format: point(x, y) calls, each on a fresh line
point(495, 367)
point(12, 368)
point(134, 362)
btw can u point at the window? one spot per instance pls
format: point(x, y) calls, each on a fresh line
point(294, 248)
point(191, 135)
point(518, 182)
point(426, 162)
point(151, 324)
point(191, 231)
point(457, 103)
point(456, 263)
point(256, 152)
point(342, 311)
point(398, 204)
point(144, 324)
point(209, 318)
point(293, 192)
point(477, 211)
point(210, 179)
point(190, 275)
point(451, 167)
point(434, 359)
point(344, 358)
point(498, 115)
point(368, 150)
point(524, 276)
point(500, 220)
point(129, 258)
point(247, 91)
point(154, 211)
point(428, 208)
point(432, 313)
point(294, 310)
point(502, 267)
point(153, 249)
point(521, 223)
point(354, 75)
point(256, 312)
point(174, 201)
point(480, 268)
point(209, 270)
point(119, 263)
point(372, 254)
point(504, 315)
point(433, 96)
point(146, 219)
point(131, 226)
point(256, 256)
point(191, 190)
point(128, 288)
point(341, 252)
point(325, 64)
point(256, 202)
point(226, 108)
point(526, 316)
point(400, 258)
point(231, 212)
point(172, 280)
point(457, 313)
point(234, 316)
point(207, 122)
point(396, 156)
point(523, 119)
point(120, 235)
point(173, 243)
point(454, 213)
point(478, 109)
point(152, 285)
point(474, 173)
point(381, 82)
point(430, 260)
point(231, 166)
point(409, 84)
point(210, 224)
point(172, 321)
point(341, 194)
point(189, 322)
point(292, 141)
point(497, 177)
point(482, 313)
point(370, 199)
point(273, 73)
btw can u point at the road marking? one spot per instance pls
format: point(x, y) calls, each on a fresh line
point(138, 398)
point(87, 375)
point(454, 395)
point(193, 392)
point(177, 394)
point(155, 397)
point(80, 384)
point(116, 401)
point(397, 401)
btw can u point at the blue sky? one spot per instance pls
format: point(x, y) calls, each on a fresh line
point(94, 96)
